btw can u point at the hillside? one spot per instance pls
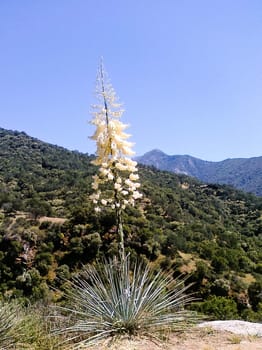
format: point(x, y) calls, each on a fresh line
point(242, 173)
point(39, 177)
point(211, 232)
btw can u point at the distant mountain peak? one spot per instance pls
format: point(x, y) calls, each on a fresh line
point(242, 173)
point(154, 152)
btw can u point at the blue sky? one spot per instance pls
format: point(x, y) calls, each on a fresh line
point(189, 72)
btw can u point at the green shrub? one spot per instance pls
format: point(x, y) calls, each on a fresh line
point(255, 294)
point(219, 307)
point(250, 315)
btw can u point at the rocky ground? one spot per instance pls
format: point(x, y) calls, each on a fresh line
point(210, 336)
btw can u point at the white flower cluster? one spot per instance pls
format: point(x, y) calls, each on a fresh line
point(116, 184)
point(114, 187)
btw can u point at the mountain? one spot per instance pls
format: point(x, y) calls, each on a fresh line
point(48, 228)
point(242, 173)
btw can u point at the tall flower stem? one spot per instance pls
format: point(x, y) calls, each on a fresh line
point(119, 218)
point(119, 223)
point(120, 233)
point(115, 185)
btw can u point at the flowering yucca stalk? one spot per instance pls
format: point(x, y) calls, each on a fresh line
point(113, 299)
point(115, 186)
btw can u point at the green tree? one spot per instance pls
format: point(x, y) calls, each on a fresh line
point(220, 307)
point(255, 294)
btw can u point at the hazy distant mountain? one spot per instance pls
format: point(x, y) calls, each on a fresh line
point(242, 173)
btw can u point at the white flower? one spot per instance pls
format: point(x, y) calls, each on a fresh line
point(121, 167)
point(132, 201)
point(119, 180)
point(133, 177)
point(95, 185)
point(95, 178)
point(131, 162)
point(104, 171)
point(117, 187)
point(117, 176)
point(128, 182)
point(136, 195)
point(95, 196)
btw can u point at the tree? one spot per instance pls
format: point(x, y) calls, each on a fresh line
point(221, 308)
point(255, 294)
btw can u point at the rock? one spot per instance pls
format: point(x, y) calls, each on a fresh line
point(235, 326)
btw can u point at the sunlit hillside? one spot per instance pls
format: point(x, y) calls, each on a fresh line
point(48, 228)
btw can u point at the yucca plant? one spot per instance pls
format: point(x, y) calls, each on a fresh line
point(113, 298)
point(109, 301)
point(10, 316)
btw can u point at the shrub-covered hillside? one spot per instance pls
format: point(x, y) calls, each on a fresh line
point(48, 228)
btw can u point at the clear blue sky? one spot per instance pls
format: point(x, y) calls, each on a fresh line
point(189, 72)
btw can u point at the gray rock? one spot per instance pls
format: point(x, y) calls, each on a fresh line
point(235, 326)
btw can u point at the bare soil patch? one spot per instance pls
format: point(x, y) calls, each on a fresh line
point(195, 339)
point(51, 219)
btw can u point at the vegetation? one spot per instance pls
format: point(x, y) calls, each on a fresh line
point(113, 299)
point(107, 301)
point(25, 328)
point(9, 319)
point(242, 173)
point(48, 230)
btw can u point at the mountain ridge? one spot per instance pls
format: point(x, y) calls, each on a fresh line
point(242, 173)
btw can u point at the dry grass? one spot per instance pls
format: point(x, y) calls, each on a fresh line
point(189, 265)
point(248, 279)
